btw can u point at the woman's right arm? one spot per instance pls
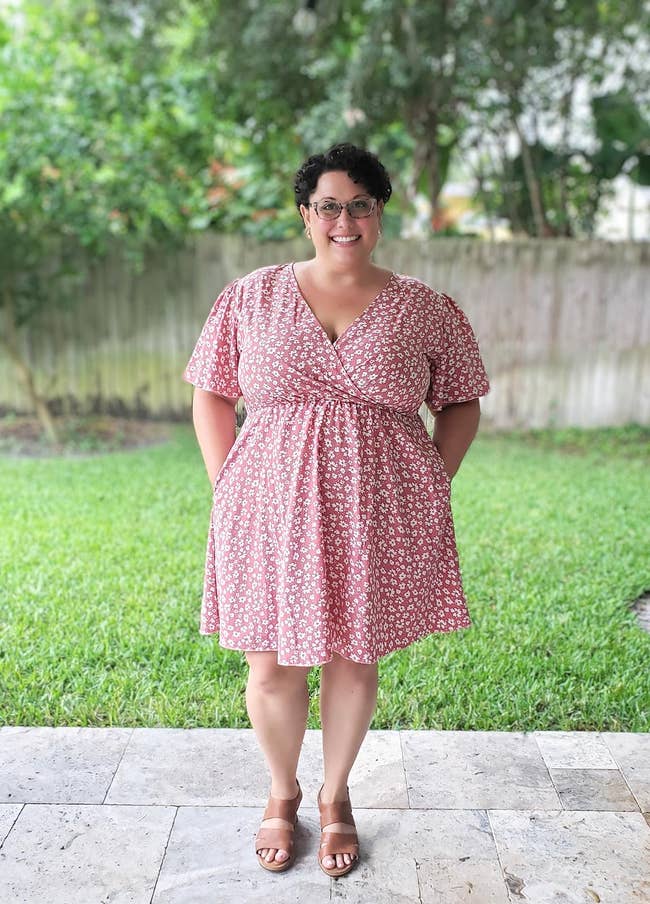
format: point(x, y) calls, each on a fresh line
point(215, 420)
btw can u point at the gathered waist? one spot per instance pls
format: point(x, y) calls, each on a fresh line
point(325, 400)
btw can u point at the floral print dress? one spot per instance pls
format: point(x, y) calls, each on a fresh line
point(331, 527)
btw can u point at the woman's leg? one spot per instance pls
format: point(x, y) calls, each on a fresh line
point(348, 697)
point(277, 699)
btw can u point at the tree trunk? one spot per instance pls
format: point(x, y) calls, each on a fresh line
point(435, 187)
point(565, 114)
point(532, 183)
point(516, 226)
point(9, 340)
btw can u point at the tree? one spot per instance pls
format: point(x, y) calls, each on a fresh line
point(539, 56)
point(101, 144)
point(422, 83)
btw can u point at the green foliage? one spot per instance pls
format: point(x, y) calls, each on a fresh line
point(623, 133)
point(134, 124)
point(106, 139)
point(536, 58)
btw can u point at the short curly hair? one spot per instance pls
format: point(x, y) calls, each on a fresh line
point(360, 164)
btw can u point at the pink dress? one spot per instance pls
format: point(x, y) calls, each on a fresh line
point(331, 528)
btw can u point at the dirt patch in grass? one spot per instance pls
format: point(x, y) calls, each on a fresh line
point(79, 436)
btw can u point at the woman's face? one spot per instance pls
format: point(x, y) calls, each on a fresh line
point(339, 187)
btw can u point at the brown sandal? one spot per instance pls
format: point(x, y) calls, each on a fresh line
point(332, 843)
point(278, 838)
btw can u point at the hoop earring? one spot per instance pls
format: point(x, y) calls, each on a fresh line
point(308, 232)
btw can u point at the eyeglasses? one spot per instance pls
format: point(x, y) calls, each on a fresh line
point(331, 210)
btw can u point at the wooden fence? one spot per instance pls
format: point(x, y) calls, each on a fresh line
point(563, 326)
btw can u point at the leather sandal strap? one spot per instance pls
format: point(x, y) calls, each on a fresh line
point(339, 811)
point(338, 843)
point(280, 839)
point(284, 809)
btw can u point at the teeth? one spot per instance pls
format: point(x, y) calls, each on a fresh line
point(345, 238)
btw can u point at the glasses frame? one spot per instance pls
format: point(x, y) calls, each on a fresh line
point(315, 204)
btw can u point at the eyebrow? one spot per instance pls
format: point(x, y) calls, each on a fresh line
point(363, 194)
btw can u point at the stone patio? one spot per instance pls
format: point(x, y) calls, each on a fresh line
point(168, 816)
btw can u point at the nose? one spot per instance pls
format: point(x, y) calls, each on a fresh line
point(344, 220)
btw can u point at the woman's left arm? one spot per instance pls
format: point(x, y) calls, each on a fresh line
point(455, 428)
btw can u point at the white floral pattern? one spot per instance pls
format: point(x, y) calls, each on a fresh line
point(331, 527)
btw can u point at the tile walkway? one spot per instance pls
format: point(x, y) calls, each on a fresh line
point(168, 816)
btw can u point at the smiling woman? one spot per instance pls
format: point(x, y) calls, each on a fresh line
point(331, 540)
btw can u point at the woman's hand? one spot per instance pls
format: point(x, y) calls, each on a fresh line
point(455, 428)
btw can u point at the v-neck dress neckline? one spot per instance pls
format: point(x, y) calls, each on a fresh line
point(361, 316)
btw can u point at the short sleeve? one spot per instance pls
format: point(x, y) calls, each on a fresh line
point(457, 373)
point(214, 363)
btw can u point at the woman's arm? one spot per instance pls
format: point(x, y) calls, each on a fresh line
point(455, 428)
point(214, 424)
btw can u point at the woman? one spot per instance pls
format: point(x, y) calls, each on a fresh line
point(331, 539)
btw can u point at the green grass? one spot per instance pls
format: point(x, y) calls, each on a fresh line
point(102, 564)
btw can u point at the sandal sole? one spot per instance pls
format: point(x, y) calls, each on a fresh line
point(281, 867)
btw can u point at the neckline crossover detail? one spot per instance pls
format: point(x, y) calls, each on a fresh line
point(361, 316)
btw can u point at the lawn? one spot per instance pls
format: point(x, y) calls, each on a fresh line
point(101, 568)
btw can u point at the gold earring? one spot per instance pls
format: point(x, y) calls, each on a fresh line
point(308, 232)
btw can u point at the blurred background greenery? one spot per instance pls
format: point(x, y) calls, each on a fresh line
point(146, 120)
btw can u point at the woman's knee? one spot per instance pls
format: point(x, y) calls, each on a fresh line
point(351, 671)
point(267, 675)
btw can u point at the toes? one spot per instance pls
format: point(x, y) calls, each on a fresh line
point(340, 860)
point(270, 854)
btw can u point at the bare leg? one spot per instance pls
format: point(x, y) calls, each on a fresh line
point(277, 699)
point(348, 697)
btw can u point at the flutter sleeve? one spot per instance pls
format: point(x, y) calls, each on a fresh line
point(214, 363)
point(457, 373)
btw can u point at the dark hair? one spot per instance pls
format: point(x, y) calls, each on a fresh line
point(361, 166)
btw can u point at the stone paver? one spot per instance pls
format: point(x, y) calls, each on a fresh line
point(45, 765)
point(168, 816)
point(84, 852)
